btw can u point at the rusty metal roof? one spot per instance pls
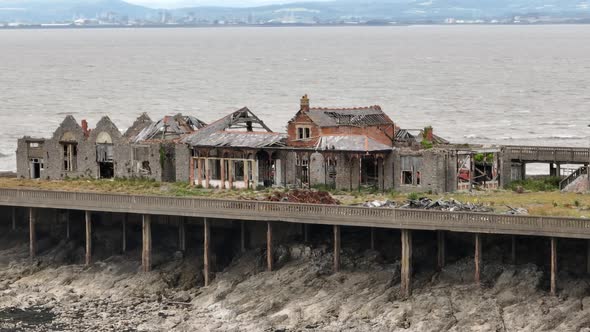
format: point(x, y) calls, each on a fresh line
point(358, 116)
point(350, 143)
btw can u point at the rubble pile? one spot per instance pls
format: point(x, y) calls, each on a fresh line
point(302, 196)
point(429, 204)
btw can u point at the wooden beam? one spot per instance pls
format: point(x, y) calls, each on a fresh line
point(553, 266)
point(513, 249)
point(32, 234)
point(146, 252)
point(406, 263)
point(206, 256)
point(441, 252)
point(124, 235)
point(336, 248)
point(181, 234)
point(588, 257)
point(243, 236)
point(269, 252)
point(477, 258)
point(88, 220)
point(372, 238)
point(66, 216)
point(305, 233)
point(14, 218)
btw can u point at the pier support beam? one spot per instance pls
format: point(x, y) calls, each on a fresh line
point(441, 252)
point(243, 236)
point(13, 218)
point(124, 235)
point(513, 249)
point(553, 266)
point(477, 257)
point(406, 266)
point(146, 252)
point(336, 248)
point(66, 216)
point(372, 238)
point(88, 220)
point(32, 234)
point(206, 245)
point(181, 235)
point(588, 257)
point(305, 233)
point(269, 252)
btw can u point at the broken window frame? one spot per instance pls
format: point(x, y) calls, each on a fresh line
point(407, 178)
point(70, 156)
point(303, 133)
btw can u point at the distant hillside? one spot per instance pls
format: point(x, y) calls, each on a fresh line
point(404, 10)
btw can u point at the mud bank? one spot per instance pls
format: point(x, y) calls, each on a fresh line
point(53, 294)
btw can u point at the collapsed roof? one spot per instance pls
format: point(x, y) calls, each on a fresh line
point(357, 116)
point(416, 135)
point(241, 128)
point(169, 128)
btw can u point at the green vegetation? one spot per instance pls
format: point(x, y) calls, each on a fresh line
point(550, 183)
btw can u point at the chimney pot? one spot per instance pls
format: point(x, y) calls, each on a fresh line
point(304, 103)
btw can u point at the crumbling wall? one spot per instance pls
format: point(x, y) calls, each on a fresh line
point(317, 171)
point(69, 130)
point(290, 169)
point(435, 167)
point(182, 165)
point(22, 159)
point(343, 172)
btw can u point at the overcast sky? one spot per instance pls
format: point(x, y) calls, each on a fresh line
point(192, 3)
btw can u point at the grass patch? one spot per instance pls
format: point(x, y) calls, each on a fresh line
point(550, 183)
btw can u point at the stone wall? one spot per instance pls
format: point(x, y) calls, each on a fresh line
point(182, 166)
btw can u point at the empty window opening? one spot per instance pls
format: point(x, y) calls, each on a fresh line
point(418, 178)
point(70, 155)
point(303, 132)
point(36, 166)
point(369, 172)
point(239, 170)
point(407, 177)
point(302, 170)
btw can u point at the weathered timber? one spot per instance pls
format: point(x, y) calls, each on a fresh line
point(32, 234)
point(588, 256)
point(513, 249)
point(66, 216)
point(146, 252)
point(336, 248)
point(478, 258)
point(548, 154)
point(372, 238)
point(269, 250)
point(406, 263)
point(441, 249)
point(206, 247)
point(124, 233)
point(243, 236)
point(181, 235)
point(553, 288)
point(88, 232)
point(301, 213)
point(13, 215)
point(305, 233)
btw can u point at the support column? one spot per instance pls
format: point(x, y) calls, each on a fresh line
point(372, 238)
point(66, 216)
point(477, 257)
point(557, 169)
point(336, 248)
point(207, 174)
point(406, 268)
point(181, 235)
point(441, 253)
point(523, 171)
point(222, 169)
point(269, 252)
point(513, 249)
point(124, 235)
point(13, 218)
point(588, 257)
point(146, 253)
point(305, 233)
point(32, 234)
point(246, 177)
point(243, 236)
point(88, 219)
point(206, 256)
point(230, 173)
point(553, 266)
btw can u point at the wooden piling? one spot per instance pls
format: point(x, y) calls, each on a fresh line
point(477, 258)
point(336, 248)
point(243, 236)
point(269, 252)
point(124, 235)
point(513, 250)
point(88, 256)
point(13, 218)
point(206, 256)
point(32, 235)
point(66, 215)
point(146, 253)
point(441, 249)
point(588, 257)
point(372, 238)
point(553, 266)
point(181, 234)
point(305, 233)
point(406, 263)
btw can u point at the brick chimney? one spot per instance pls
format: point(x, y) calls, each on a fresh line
point(428, 134)
point(305, 104)
point(85, 128)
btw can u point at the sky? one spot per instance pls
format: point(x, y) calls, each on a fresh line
point(193, 3)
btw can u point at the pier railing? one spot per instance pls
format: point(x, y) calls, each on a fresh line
point(547, 154)
point(301, 213)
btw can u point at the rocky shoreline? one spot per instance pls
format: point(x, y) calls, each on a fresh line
point(301, 295)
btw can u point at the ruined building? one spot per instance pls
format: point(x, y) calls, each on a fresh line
point(341, 148)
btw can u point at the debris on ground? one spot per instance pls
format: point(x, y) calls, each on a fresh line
point(516, 211)
point(429, 204)
point(301, 196)
point(382, 204)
